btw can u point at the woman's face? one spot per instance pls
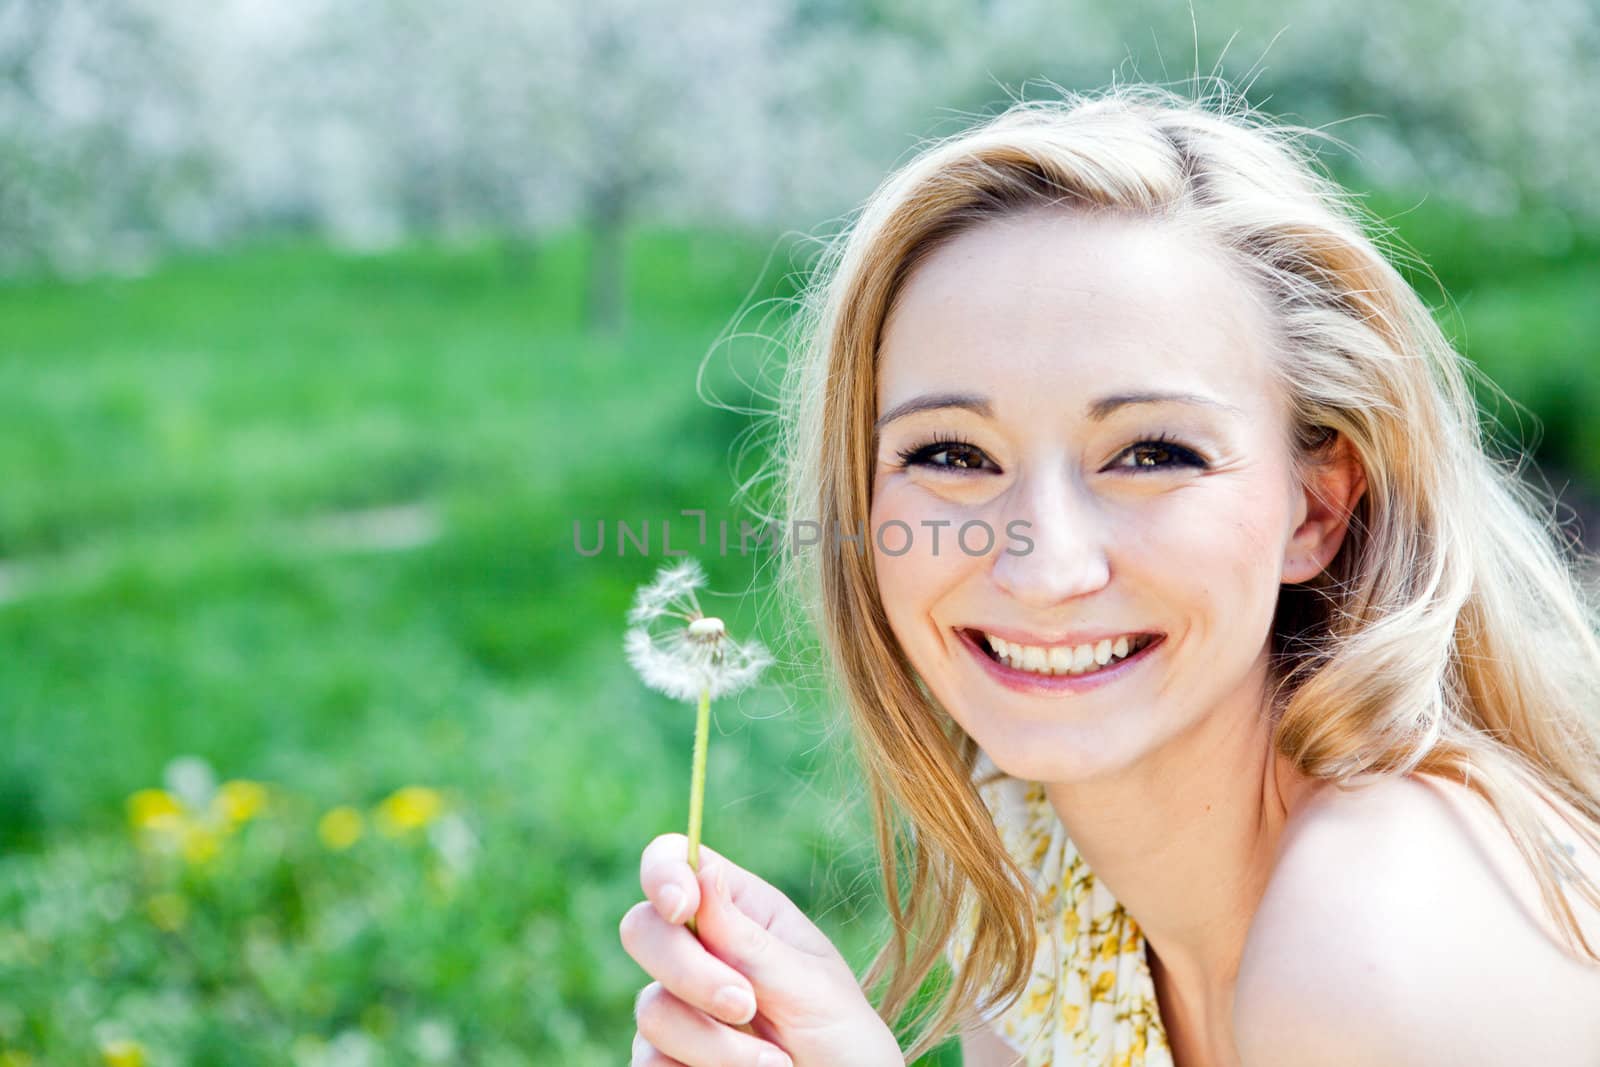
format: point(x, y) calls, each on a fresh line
point(1027, 377)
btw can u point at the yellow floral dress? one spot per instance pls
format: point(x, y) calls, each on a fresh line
point(1091, 1001)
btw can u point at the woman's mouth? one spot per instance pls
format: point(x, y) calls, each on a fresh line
point(1057, 667)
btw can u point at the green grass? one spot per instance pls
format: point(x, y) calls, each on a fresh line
point(174, 447)
point(174, 442)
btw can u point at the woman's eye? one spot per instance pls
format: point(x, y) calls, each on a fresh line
point(945, 455)
point(961, 457)
point(1157, 454)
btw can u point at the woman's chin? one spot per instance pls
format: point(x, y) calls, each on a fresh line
point(1064, 753)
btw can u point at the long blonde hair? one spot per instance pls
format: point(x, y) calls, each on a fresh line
point(1450, 635)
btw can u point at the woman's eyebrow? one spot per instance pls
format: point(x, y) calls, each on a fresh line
point(1103, 407)
point(933, 401)
point(1097, 409)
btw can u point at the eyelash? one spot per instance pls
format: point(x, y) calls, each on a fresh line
point(920, 455)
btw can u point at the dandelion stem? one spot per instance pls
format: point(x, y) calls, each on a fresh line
point(697, 785)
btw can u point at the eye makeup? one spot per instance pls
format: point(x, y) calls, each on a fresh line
point(955, 455)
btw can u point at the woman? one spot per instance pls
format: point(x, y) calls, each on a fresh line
point(1239, 706)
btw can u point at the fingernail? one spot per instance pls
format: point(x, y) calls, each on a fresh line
point(734, 1004)
point(773, 1058)
point(722, 885)
point(676, 902)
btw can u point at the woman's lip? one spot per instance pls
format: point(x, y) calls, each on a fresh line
point(1028, 682)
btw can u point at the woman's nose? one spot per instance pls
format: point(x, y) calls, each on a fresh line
point(1060, 552)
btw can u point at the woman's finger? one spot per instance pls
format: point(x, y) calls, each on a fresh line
point(675, 889)
point(676, 958)
point(788, 981)
point(647, 1055)
point(667, 879)
point(684, 1032)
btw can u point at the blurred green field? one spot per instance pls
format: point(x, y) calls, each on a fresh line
point(308, 516)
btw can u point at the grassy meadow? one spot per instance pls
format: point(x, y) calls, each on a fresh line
point(301, 521)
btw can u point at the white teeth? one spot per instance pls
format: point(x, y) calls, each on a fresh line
point(1063, 659)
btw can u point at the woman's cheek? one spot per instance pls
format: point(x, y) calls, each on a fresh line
point(1239, 534)
point(1230, 538)
point(916, 535)
point(913, 569)
point(892, 528)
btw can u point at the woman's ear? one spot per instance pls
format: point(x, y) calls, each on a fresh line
point(1333, 485)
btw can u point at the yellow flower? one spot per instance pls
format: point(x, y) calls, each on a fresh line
point(154, 809)
point(239, 801)
point(122, 1052)
point(168, 911)
point(200, 843)
point(340, 827)
point(407, 809)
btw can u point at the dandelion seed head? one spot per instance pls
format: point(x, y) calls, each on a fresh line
point(681, 577)
point(741, 668)
point(687, 660)
point(708, 628)
point(671, 593)
point(664, 663)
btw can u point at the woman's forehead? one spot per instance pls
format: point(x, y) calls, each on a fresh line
point(1055, 302)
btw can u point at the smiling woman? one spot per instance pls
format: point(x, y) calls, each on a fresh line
point(1275, 600)
point(1272, 739)
point(1179, 484)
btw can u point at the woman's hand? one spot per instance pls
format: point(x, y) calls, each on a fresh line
point(757, 960)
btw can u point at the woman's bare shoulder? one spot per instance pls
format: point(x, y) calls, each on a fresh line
point(1430, 830)
point(1405, 900)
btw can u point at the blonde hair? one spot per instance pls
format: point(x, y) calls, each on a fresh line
point(1450, 635)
